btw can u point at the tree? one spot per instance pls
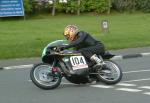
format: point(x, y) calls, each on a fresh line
point(109, 6)
point(54, 8)
point(78, 11)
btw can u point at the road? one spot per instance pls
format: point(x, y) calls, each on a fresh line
point(16, 87)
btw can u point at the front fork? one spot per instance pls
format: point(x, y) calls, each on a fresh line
point(59, 66)
point(56, 72)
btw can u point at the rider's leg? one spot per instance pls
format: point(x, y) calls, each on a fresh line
point(96, 59)
point(90, 53)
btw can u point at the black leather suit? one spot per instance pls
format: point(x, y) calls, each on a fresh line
point(87, 45)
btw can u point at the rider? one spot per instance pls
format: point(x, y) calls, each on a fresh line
point(84, 43)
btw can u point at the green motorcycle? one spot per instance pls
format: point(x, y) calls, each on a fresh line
point(73, 66)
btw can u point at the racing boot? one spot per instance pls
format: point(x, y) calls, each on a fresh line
point(98, 61)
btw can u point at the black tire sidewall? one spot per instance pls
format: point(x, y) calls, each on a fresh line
point(99, 78)
point(40, 85)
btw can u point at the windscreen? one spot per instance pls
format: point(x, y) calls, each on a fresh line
point(55, 43)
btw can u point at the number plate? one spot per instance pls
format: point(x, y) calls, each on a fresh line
point(78, 62)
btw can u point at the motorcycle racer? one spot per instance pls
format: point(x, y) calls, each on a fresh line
point(84, 43)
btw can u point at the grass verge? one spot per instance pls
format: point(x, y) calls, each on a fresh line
point(27, 38)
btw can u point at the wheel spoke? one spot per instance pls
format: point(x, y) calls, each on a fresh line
point(110, 74)
point(43, 75)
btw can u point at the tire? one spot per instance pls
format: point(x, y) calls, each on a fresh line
point(39, 75)
point(101, 74)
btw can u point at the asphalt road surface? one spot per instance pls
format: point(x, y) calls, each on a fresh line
point(16, 87)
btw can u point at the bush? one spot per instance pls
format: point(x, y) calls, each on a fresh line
point(28, 6)
point(71, 6)
point(101, 6)
point(98, 6)
point(129, 5)
point(124, 5)
point(143, 5)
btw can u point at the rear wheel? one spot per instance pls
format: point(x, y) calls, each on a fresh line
point(42, 76)
point(112, 74)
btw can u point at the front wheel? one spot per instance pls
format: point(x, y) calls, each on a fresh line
point(112, 74)
point(42, 76)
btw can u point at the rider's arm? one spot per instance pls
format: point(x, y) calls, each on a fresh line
point(81, 36)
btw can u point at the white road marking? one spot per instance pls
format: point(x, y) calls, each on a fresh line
point(127, 72)
point(129, 90)
point(145, 87)
point(30, 80)
point(147, 93)
point(137, 80)
point(126, 84)
point(18, 67)
point(145, 54)
point(101, 86)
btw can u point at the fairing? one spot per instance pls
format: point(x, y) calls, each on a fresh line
point(55, 43)
point(49, 59)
